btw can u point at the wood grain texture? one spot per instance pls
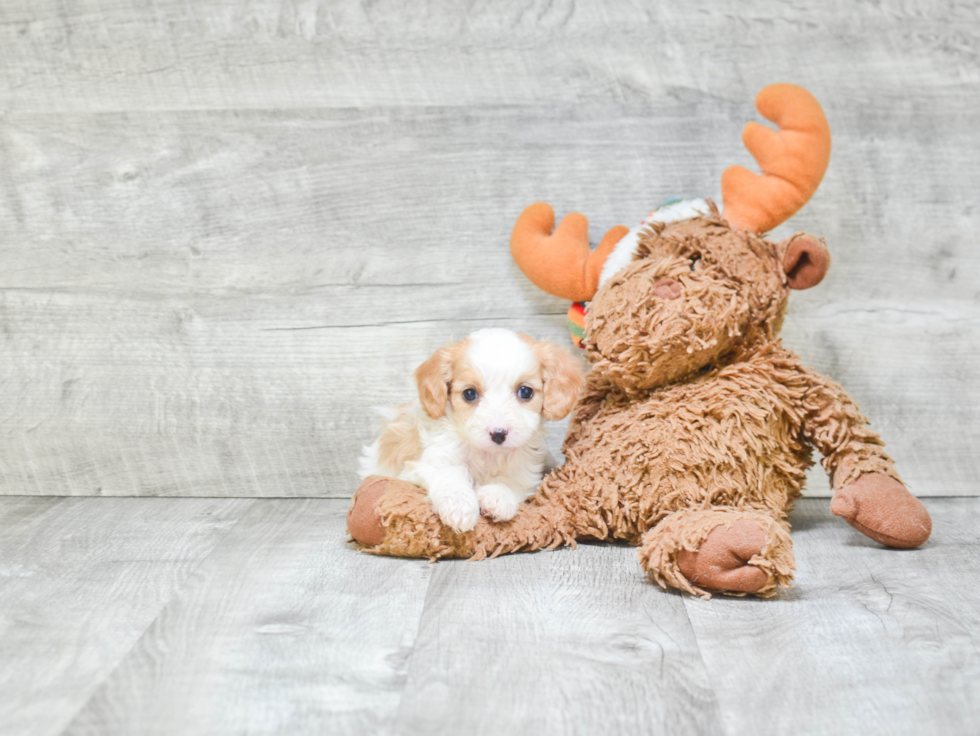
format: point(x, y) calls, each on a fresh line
point(871, 639)
point(111, 623)
point(172, 54)
point(80, 580)
point(228, 230)
point(571, 641)
point(284, 629)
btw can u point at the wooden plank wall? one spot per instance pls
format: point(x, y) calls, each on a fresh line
point(228, 228)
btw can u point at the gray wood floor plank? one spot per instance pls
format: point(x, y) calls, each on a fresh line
point(80, 580)
point(284, 629)
point(22, 516)
point(572, 642)
point(870, 640)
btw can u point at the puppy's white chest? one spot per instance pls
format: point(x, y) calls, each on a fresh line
point(484, 466)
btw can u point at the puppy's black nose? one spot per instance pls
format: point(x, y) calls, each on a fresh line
point(498, 436)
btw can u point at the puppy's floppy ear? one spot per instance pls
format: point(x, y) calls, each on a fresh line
point(562, 380)
point(432, 379)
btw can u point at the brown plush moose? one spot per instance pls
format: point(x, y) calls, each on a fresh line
point(695, 425)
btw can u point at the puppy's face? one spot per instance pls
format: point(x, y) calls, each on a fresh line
point(496, 387)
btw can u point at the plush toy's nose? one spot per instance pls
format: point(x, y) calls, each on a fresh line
point(667, 289)
point(498, 435)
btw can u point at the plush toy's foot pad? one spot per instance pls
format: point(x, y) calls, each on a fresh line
point(719, 550)
point(363, 521)
point(883, 509)
point(721, 562)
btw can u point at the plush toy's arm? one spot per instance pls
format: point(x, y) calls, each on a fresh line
point(867, 491)
point(833, 424)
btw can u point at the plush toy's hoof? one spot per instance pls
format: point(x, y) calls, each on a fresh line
point(883, 509)
point(363, 521)
point(721, 562)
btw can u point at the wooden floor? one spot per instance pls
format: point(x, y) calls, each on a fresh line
point(232, 616)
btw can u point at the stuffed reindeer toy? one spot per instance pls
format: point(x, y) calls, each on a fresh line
point(694, 428)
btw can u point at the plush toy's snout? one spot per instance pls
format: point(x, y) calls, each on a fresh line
point(667, 289)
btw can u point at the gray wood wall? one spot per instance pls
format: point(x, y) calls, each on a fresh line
point(228, 228)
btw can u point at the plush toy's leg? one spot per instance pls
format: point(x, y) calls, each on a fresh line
point(719, 550)
point(394, 517)
point(883, 509)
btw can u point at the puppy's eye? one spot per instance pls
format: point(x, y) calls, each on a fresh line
point(694, 261)
point(470, 395)
point(525, 393)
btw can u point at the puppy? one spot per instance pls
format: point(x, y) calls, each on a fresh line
point(474, 438)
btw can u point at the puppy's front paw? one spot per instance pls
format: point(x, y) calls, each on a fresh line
point(458, 510)
point(497, 501)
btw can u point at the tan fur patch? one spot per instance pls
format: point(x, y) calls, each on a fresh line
point(399, 442)
point(435, 374)
point(464, 375)
point(561, 378)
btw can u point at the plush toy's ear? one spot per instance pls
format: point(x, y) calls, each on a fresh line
point(805, 261)
point(562, 380)
point(432, 379)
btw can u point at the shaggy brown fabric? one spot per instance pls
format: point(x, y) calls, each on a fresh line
point(412, 528)
point(694, 429)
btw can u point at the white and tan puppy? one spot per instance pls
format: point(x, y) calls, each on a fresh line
point(474, 438)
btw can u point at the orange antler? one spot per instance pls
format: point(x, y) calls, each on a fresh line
point(560, 262)
point(793, 160)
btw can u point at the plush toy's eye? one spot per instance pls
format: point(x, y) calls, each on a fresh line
point(525, 392)
point(694, 261)
point(470, 395)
